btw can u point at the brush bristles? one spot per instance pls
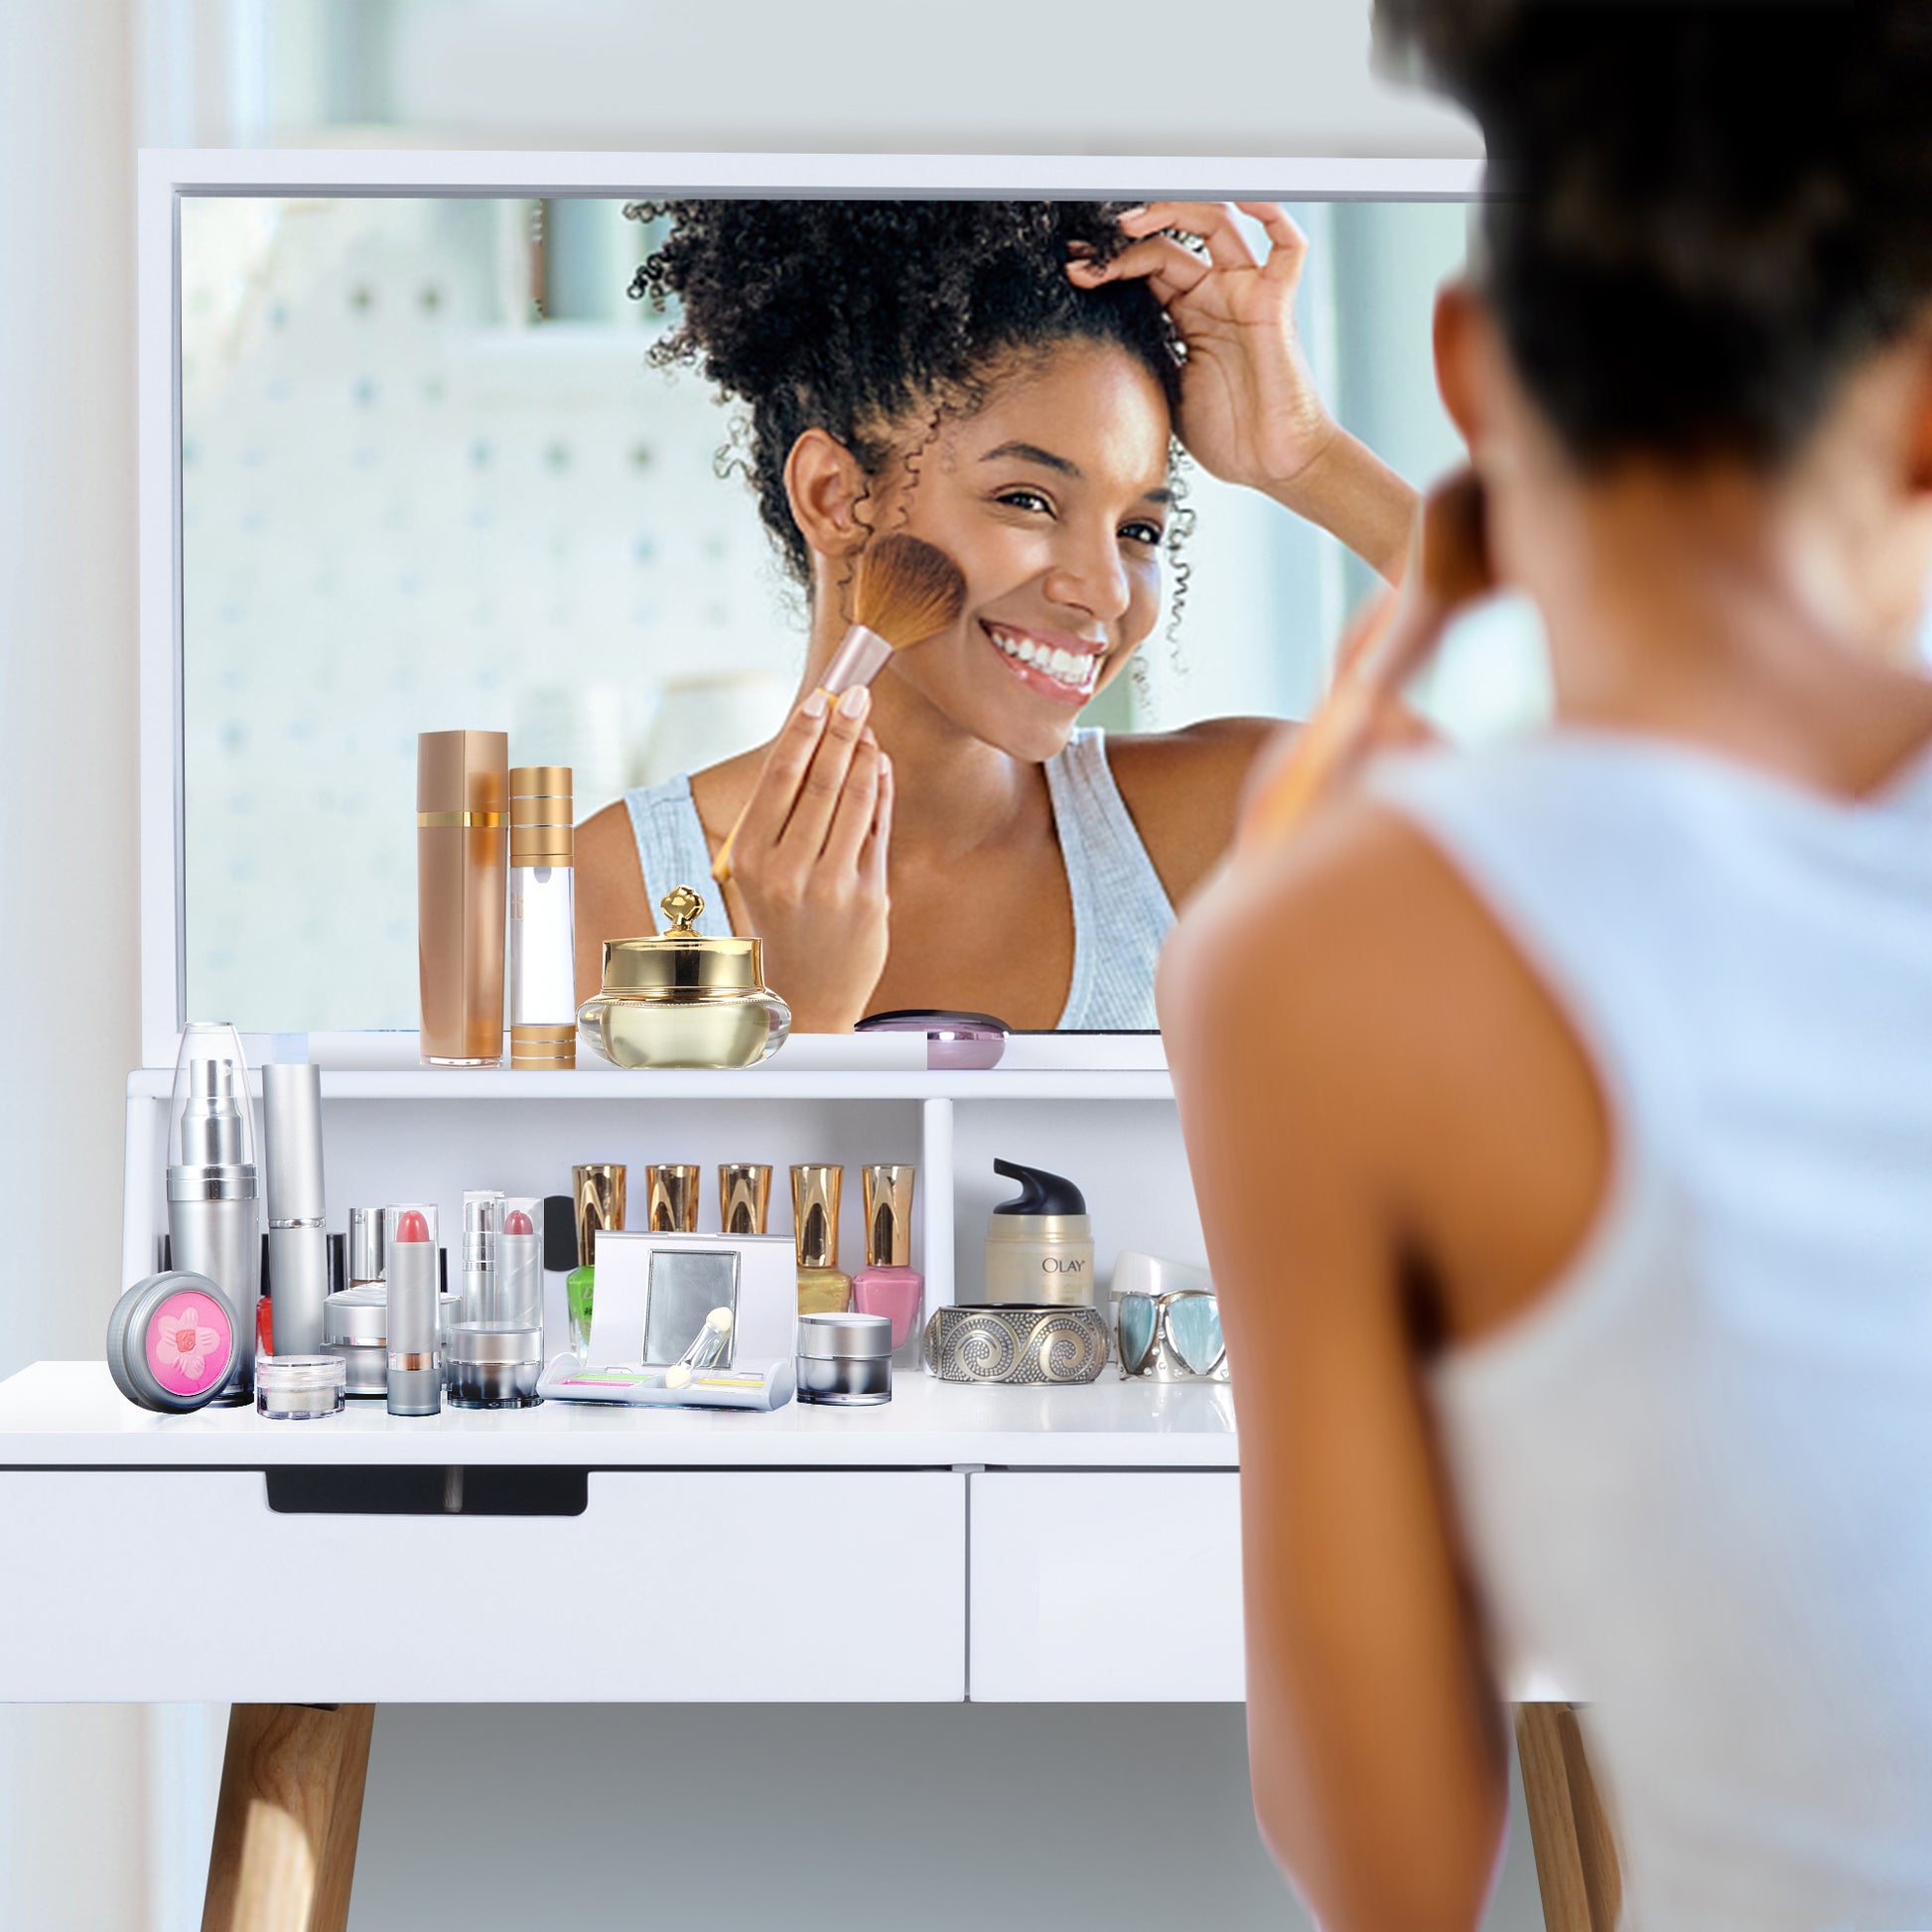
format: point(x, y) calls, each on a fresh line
point(906, 590)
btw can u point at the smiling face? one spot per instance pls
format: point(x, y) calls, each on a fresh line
point(1053, 500)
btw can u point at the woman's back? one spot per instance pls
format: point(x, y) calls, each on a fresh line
point(1690, 1474)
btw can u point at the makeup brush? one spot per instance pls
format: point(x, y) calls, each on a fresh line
point(904, 589)
point(1447, 569)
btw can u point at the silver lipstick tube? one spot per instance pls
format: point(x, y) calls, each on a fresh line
point(298, 1236)
point(415, 1380)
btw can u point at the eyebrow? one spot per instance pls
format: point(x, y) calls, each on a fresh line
point(1062, 466)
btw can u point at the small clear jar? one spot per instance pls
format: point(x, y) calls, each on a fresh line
point(299, 1388)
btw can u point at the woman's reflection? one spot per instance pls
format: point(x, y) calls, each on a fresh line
point(1005, 380)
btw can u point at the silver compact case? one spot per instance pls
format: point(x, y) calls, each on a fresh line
point(355, 1329)
point(845, 1359)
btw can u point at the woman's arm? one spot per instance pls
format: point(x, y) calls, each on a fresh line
point(1250, 411)
point(1376, 1743)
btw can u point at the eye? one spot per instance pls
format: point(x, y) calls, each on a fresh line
point(1021, 498)
point(1144, 531)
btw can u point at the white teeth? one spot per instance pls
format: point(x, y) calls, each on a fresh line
point(1073, 668)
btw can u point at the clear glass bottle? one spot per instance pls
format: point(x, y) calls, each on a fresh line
point(543, 920)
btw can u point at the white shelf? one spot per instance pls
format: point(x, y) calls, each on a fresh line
point(68, 1415)
point(752, 1083)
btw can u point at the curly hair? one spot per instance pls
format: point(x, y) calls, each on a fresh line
point(1702, 217)
point(858, 317)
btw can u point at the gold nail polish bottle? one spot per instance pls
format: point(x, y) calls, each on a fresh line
point(673, 1198)
point(815, 1191)
point(744, 1196)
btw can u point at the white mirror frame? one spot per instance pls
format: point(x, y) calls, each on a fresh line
point(168, 173)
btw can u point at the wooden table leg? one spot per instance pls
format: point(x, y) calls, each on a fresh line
point(1576, 1858)
point(287, 1818)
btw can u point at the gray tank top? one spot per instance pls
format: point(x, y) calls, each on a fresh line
point(1121, 912)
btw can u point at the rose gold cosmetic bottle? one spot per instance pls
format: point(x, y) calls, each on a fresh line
point(462, 854)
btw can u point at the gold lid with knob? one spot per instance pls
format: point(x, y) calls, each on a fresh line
point(682, 963)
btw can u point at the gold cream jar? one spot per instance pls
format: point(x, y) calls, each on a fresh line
point(680, 998)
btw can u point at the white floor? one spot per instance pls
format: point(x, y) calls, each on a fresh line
point(949, 1818)
point(1073, 1817)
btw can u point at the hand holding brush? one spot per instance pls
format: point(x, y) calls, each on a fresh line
point(905, 589)
point(1448, 569)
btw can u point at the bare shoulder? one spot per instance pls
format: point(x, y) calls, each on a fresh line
point(1183, 789)
point(1354, 986)
point(609, 890)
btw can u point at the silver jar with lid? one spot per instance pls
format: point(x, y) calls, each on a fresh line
point(845, 1359)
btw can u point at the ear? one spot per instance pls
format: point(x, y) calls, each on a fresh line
point(1461, 323)
point(825, 484)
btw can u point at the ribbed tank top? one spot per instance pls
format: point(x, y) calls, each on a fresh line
point(1121, 912)
point(1696, 1475)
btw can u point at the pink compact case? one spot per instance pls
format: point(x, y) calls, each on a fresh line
point(171, 1342)
point(973, 1040)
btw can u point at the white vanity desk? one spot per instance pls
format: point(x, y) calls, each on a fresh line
point(1003, 1544)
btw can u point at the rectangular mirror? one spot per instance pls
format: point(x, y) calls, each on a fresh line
point(427, 476)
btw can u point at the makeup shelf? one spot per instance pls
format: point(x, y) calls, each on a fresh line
point(429, 1134)
point(1002, 1544)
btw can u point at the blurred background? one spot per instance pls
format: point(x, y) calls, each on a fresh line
point(104, 1811)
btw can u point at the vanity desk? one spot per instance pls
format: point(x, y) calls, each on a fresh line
point(956, 1542)
point(1011, 1545)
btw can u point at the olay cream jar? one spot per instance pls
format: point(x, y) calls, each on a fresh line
point(1039, 1244)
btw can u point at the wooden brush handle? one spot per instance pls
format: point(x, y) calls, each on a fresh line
point(1448, 568)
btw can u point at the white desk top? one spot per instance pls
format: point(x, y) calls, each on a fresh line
point(68, 1415)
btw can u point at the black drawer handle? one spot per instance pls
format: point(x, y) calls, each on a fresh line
point(475, 1490)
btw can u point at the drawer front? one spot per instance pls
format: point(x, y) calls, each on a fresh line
point(671, 1585)
point(1106, 1589)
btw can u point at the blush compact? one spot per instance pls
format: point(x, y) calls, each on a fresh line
point(972, 1040)
point(171, 1342)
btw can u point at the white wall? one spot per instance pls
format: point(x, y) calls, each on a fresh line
point(80, 81)
point(68, 941)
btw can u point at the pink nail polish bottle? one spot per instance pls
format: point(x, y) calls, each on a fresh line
point(886, 1285)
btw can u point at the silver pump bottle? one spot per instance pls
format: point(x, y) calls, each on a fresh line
point(214, 1182)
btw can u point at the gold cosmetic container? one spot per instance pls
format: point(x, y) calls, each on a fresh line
point(681, 999)
point(816, 1191)
point(744, 1197)
point(673, 1198)
point(462, 853)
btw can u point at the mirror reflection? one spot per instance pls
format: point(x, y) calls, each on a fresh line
point(441, 468)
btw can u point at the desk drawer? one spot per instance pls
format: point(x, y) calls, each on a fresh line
point(671, 1585)
point(1106, 1589)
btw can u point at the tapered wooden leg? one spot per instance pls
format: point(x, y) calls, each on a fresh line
point(289, 1815)
point(1576, 1859)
